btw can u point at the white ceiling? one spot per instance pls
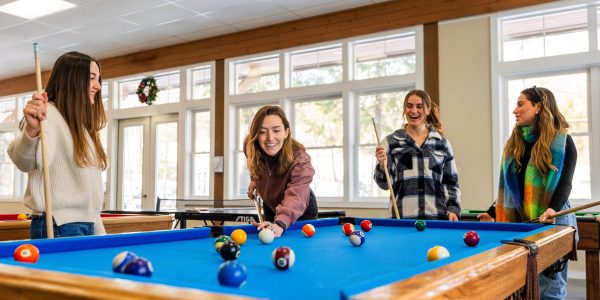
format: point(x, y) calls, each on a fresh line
point(107, 28)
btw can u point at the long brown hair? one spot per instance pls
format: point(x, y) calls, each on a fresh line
point(433, 118)
point(256, 158)
point(547, 124)
point(68, 89)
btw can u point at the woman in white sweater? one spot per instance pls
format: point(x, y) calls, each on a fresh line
point(72, 109)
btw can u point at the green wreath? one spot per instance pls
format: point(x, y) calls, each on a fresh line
point(150, 83)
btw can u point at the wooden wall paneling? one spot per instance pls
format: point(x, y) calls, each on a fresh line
point(431, 61)
point(219, 121)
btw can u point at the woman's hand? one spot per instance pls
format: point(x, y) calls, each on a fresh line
point(251, 188)
point(35, 112)
point(485, 217)
point(545, 217)
point(381, 157)
point(452, 217)
point(277, 231)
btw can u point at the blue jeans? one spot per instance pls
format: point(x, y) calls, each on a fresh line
point(557, 288)
point(38, 228)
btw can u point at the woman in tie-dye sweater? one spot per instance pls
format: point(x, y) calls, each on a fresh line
point(536, 173)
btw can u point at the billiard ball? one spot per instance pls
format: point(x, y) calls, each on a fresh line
point(232, 273)
point(347, 228)
point(437, 252)
point(239, 236)
point(27, 253)
point(283, 258)
point(139, 266)
point(471, 238)
point(420, 225)
point(366, 225)
point(22, 217)
point(219, 242)
point(357, 238)
point(122, 259)
point(230, 250)
point(308, 230)
point(266, 236)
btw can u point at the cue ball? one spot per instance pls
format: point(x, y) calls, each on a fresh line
point(308, 230)
point(27, 253)
point(437, 252)
point(366, 225)
point(420, 225)
point(139, 266)
point(122, 259)
point(283, 258)
point(471, 238)
point(357, 238)
point(230, 250)
point(266, 236)
point(239, 236)
point(232, 273)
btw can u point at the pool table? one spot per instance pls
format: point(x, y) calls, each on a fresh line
point(13, 229)
point(588, 225)
point(390, 264)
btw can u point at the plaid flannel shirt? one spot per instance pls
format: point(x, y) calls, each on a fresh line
point(425, 179)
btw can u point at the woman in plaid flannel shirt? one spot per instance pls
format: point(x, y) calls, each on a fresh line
point(422, 167)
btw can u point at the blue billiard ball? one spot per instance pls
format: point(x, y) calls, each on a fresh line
point(232, 273)
point(139, 266)
point(121, 260)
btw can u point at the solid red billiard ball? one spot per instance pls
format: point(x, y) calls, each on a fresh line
point(308, 230)
point(471, 238)
point(283, 258)
point(347, 228)
point(366, 225)
point(27, 253)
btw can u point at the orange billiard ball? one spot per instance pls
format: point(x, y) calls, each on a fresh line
point(239, 236)
point(27, 253)
point(308, 230)
point(22, 217)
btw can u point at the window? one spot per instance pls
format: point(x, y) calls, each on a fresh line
point(8, 110)
point(387, 110)
point(168, 90)
point(201, 154)
point(571, 95)
point(545, 35)
point(391, 55)
point(316, 66)
point(105, 93)
point(319, 125)
point(7, 168)
point(357, 79)
point(201, 82)
point(256, 75)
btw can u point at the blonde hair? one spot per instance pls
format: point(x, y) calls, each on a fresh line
point(547, 124)
point(255, 157)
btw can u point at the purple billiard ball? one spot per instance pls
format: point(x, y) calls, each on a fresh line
point(471, 238)
point(232, 273)
point(122, 259)
point(139, 266)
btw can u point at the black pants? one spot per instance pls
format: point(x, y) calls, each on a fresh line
point(309, 214)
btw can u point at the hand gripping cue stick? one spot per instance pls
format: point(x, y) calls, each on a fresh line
point(568, 211)
point(387, 176)
point(47, 195)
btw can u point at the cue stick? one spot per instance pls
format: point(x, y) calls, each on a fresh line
point(47, 195)
point(258, 211)
point(387, 175)
point(568, 211)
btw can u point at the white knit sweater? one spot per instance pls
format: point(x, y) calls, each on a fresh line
point(77, 194)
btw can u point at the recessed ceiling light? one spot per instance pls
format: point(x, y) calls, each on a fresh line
point(31, 9)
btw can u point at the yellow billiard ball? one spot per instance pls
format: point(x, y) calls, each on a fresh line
point(239, 236)
point(437, 252)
